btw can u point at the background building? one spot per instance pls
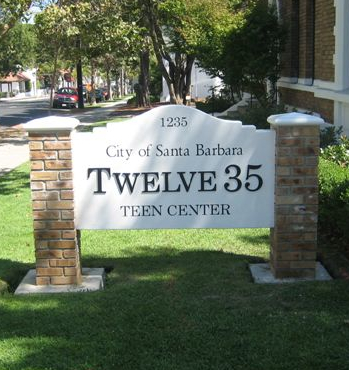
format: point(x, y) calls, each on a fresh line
point(315, 64)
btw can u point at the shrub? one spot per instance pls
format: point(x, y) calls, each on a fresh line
point(339, 153)
point(330, 136)
point(3, 287)
point(334, 201)
point(214, 104)
point(28, 86)
point(258, 115)
point(132, 101)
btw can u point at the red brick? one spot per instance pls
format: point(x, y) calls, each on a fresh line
point(53, 185)
point(35, 155)
point(60, 225)
point(62, 244)
point(44, 176)
point(46, 215)
point(38, 205)
point(39, 225)
point(69, 234)
point(45, 195)
point(64, 154)
point(42, 263)
point(67, 215)
point(65, 175)
point(70, 271)
point(36, 145)
point(57, 145)
point(67, 194)
point(37, 185)
point(47, 234)
point(40, 280)
point(58, 165)
point(49, 253)
point(50, 271)
point(36, 165)
point(63, 263)
point(60, 204)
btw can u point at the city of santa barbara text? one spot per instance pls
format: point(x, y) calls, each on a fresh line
point(159, 150)
point(234, 179)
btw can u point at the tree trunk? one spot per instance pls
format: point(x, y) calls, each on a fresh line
point(117, 83)
point(143, 98)
point(93, 79)
point(109, 89)
point(122, 86)
point(187, 79)
point(54, 76)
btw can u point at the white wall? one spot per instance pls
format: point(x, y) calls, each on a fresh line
point(201, 85)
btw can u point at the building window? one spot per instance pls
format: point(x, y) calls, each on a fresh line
point(294, 39)
point(309, 41)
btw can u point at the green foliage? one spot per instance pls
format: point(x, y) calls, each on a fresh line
point(214, 104)
point(155, 86)
point(258, 115)
point(334, 201)
point(10, 13)
point(28, 86)
point(18, 48)
point(330, 136)
point(247, 57)
point(339, 153)
point(3, 287)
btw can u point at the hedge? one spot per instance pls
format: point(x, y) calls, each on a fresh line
point(334, 201)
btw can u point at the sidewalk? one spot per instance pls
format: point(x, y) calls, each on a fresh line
point(13, 149)
point(25, 98)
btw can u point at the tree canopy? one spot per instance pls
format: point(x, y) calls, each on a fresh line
point(11, 12)
point(18, 49)
point(236, 40)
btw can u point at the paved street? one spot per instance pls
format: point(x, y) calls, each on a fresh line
point(16, 112)
point(13, 142)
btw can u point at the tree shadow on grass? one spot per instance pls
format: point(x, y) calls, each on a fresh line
point(191, 310)
point(12, 272)
point(14, 181)
point(253, 239)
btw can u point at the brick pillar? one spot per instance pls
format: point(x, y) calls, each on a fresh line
point(294, 236)
point(57, 242)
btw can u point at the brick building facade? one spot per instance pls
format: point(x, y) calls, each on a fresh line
point(315, 64)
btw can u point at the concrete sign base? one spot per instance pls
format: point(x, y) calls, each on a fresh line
point(262, 274)
point(92, 280)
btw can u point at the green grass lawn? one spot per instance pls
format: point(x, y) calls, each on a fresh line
point(174, 300)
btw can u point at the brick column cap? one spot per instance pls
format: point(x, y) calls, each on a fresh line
point(295, 119)
point(51, 124)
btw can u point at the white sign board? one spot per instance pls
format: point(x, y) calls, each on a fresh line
point(174, 167)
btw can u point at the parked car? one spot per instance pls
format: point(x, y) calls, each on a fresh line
point(99, 95)
point(105, 93)
point(66, 97)
point(88, 95)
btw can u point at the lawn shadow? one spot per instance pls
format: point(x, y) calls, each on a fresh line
point(185, 310)
point(253, 239)
point(167, 263)
point(14, 181)
point(12, 272)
